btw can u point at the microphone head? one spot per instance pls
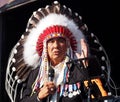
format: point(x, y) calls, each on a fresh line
point(51, 73)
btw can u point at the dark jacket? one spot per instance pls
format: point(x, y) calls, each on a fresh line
point(76, 75)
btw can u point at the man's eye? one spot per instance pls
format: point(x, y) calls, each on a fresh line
point(62, 40)
point(52, 41)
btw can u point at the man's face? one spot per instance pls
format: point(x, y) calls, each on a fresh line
point(57, 48)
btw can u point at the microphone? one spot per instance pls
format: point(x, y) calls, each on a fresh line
point(51, 73)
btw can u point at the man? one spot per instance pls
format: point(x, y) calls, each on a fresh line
point(56, 48)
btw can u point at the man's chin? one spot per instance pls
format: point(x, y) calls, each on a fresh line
point(56, 57)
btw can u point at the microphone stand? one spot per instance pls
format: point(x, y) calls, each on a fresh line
point(48, 99)
point(79, 64)
point(51, 73)
point(89, 90)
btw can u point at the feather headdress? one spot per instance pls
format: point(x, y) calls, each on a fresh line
point(57, 20)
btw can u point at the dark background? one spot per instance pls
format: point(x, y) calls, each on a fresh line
point(101, 17)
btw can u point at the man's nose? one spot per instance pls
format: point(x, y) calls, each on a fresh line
point(56, 43)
